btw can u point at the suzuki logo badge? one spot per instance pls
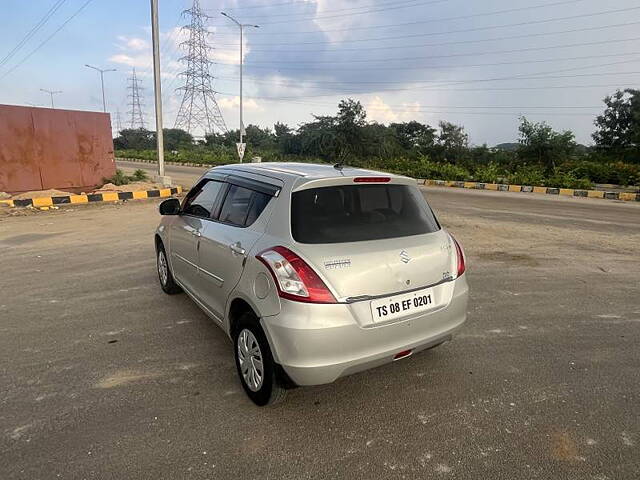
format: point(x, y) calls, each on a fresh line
point(404, 256)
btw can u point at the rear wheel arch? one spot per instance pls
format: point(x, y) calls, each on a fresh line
point(158, 241)
point(241, 311)
point(237, 310)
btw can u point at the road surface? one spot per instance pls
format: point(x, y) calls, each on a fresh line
point(103, 376)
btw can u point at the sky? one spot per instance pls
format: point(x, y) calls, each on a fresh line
point(480, 64)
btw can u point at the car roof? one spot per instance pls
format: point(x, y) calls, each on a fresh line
point(310, 171)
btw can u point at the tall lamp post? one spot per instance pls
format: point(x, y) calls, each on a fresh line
point(51, 93)
point(241, 26)
point(102, 72)
point(157, 89)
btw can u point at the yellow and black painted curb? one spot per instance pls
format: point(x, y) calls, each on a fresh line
point(570, 192)
point(177, 164)
point(92, 197)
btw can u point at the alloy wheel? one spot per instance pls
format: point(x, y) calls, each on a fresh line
point(163, 268)
point(250, 360)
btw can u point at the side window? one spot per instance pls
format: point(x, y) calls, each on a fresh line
point(202, 202)
point(258, 203)
point(242, 206)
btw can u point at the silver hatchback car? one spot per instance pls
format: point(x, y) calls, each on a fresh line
point(314, 271)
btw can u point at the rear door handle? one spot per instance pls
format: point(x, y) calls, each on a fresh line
point(196, 233)
point(237, 248)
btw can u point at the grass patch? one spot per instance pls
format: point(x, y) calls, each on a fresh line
point(120, 178)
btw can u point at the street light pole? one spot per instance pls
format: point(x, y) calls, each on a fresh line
point(241, 26)
point(157, 89)
point(241, 110)
point(102, 72)
point(52, 93)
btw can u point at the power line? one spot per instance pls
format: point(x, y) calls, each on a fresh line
point(448, 32)
point(458, 42)
point(414, 89)
point(494, 52)
point(461, 82)
point(540, 75)
point(33, 31)
point(398, 6)
point(293, 83)
point(423, 67)
point(44, 42)
point(271, 5)
point(423, 22)
point(502, 89)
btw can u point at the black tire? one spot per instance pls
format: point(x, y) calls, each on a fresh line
point(168, 284)
point(270, 391)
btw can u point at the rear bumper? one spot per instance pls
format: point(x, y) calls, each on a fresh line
point(316, 344)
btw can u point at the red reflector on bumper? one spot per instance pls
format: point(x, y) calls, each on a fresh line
point(402, 354)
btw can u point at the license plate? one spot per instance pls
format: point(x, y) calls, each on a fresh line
point(404, 305)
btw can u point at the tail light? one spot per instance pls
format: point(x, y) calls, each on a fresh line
point(294, 278)
point(372, 179)
point(460, 261)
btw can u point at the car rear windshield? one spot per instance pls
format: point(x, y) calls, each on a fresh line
point(356, 213)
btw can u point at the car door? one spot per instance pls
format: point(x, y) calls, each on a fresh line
point(187, 228)
point(224, 244)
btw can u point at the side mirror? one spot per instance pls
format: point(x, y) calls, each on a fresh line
point(170, 206)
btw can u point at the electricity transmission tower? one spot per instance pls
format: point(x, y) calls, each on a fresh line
point(199, 109)
point(136, 115)
point(118, 123)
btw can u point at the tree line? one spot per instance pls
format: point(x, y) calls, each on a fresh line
point(541, 155)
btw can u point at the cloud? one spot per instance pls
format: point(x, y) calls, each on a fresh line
point(134, 52)
point(140, 61)
point(229, 52)
point(233, 103)
point(132, 43)
point(379, 111)
point(326, 19)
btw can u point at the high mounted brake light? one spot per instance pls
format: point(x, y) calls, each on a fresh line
point(294, 278)
point(460, 260)
point(372, 179)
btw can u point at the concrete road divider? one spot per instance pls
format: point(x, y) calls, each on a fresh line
point(39, 202)
point(568, 192)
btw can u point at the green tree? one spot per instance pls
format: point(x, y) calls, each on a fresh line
point(618, 128)
point(348, 126)
point(541, 144)
point(261, 138)
point(336, 138)
point(453, 141)
point(227, 139)
point(135, 139)
point(381, 142)
point(414, 135)
point(285, 138)
point(318, 138)
point(175, 138)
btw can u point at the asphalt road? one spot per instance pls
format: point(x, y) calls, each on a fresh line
point(528, 208)
point(103, 376)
